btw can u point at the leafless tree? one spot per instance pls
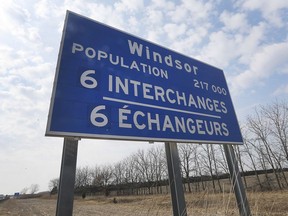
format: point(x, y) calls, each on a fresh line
point(82, 177)
point(158, 165)
point(119, 172)
point(96, 176)
point(277, 114)
point(106, 172)
point(248, 149)
point(210, 162)
point(34, 188)
point(260, 127)
point(239, 155)
point(186, 159)
point(24, 190)
point(198, 167)
point(53, 183)
point(143, 165)
point(131, 174)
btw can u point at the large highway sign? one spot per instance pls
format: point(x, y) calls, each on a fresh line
point(113, 85)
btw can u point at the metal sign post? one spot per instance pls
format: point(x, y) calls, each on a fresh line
point(67, 178)
point(175, 180)
point(238, 186)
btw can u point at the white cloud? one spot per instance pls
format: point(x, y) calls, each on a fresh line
point(129, 5)
point(26, 80)
point(270, 60)
point(173, 30)
point(13, 16)
point(200, 9)
point(221, 49)
point(281, 90)
point(271, 10)
point(17, 25)
point(45, 9)
point(234, 21)
point(249, 43)
point(121, 14)
point(162, 5)
point(181, 26)
point(107, 14)
point(192, 12)
point(227, 46)
point(188, 42)
point(154, 17)
point(179, 14)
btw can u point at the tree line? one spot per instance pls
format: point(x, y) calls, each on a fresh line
point(264, 156)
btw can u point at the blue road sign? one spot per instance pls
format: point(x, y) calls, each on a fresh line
point(113, 85)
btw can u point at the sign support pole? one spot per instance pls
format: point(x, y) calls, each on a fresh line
point(238, 186)
point(175, 179)
point(67, 177)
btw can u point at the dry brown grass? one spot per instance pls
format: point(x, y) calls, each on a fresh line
point(205, 203)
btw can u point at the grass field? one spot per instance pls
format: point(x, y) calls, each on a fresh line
point(261, 203)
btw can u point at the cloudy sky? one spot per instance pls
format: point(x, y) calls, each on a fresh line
point(246, 38)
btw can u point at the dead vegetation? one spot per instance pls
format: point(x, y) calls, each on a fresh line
point(205, 203)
